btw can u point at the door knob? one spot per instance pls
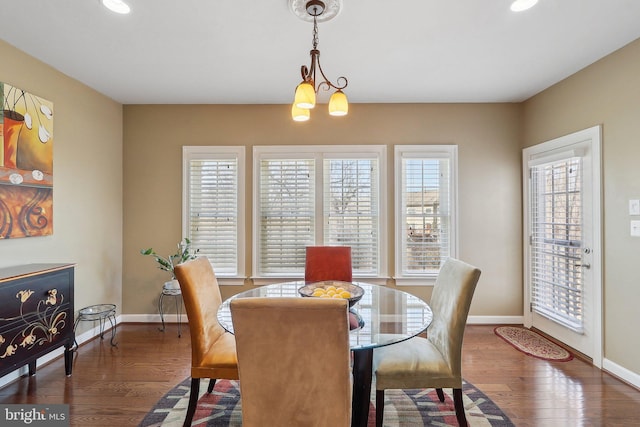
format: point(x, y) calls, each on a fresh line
point(585, 265)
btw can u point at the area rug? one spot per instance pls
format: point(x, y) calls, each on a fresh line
point(532, 343)
point(403, 408)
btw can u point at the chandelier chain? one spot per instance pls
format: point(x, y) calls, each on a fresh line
point(315, 33)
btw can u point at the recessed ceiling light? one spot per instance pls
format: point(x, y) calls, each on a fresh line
point(117, 6)
point(520, 5)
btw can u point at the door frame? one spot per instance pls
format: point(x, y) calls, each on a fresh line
point(593, 134)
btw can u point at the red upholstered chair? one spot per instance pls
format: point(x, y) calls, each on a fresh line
point(328, 263)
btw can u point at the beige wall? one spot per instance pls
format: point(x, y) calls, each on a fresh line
point(489, 185)
point(87, 189)
point(606, 93)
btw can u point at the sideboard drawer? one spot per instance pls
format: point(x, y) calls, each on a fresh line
point(24, 296)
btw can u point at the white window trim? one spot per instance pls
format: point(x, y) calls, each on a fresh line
point(320, 152)
point(219, 152)
point(417, 151)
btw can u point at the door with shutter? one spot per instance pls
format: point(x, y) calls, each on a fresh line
point(563, 295)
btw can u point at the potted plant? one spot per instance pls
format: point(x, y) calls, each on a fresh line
point(184, 253)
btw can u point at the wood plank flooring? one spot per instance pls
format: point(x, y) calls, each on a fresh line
point(117, 386)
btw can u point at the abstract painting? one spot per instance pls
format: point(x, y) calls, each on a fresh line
point(26, 164)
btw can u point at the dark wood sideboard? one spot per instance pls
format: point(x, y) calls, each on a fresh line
point(36, 314)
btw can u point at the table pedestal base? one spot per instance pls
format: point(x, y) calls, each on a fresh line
point(362, 375)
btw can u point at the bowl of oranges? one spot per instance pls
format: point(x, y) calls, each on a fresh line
point(333, 289)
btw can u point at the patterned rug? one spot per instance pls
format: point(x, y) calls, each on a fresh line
point(532, 343)
point(402, 408)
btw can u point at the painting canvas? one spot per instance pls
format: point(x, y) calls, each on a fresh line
point(26, 164)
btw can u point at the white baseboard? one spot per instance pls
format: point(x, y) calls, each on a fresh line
point(153, 318)
point(621, 372)
point(80, 339)
point(495, 320)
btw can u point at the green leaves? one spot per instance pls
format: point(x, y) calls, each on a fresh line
point(185, 253)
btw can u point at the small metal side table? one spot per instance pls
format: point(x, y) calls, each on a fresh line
point(99, 312)
point(170, 290)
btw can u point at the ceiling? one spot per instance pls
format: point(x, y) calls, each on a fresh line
point(250, 52)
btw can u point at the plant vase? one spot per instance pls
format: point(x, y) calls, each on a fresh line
point(171, 285)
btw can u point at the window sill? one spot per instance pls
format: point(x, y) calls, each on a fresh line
point(263, 281)
point(415, 281)
point(231, 281)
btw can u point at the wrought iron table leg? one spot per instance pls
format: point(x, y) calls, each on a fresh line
point(160, 310)
point(102, 322)
point(179, 311)
point(75, 341)
point(112, 320)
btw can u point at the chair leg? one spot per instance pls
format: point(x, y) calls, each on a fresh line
point(193, 401)
point(457, 403)
point(212, 383)
point(440, 394)
point(379, 407)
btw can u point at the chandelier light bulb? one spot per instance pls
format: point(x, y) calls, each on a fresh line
point(300, 114)
point(520, 5)
point(305, 95)
point(338, 104)
point(117, 6)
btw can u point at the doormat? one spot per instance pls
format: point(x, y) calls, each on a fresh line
point(532, 343)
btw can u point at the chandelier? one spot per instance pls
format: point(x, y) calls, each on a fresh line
point(313, 77)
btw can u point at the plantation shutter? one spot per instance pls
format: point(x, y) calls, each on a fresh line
point(286, 210)
point(556, 241)
point(213, 212)
point(351, 210)
point(426, 214)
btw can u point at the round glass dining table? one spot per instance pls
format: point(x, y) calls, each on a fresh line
point(383, 316)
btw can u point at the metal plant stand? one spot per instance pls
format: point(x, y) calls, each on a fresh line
point(99, 312)
point(168, 291)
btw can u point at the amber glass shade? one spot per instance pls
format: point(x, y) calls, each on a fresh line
point(305, 96)
point(300, 114)
point(338, 104)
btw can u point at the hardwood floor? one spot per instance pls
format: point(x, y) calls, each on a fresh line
point(116, 386)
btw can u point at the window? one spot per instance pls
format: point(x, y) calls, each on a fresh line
point(317, 195)
point(286, 210)
point(213, 213)
point(425, 209)
point(351, 211)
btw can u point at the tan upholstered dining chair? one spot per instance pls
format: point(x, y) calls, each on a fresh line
point(328, 263)
point(435, 361)
point(293, 360)
point(213, 350)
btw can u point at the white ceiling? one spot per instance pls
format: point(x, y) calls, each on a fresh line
point(250, 52)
